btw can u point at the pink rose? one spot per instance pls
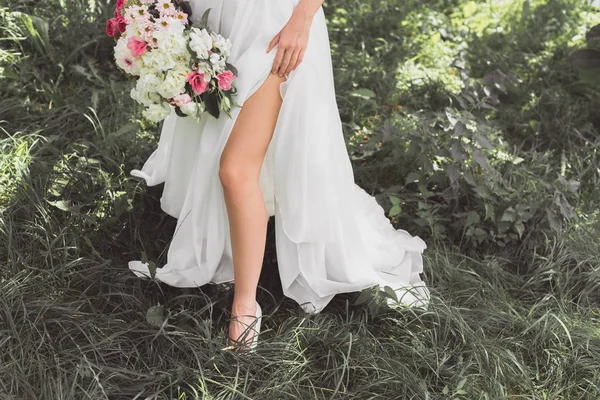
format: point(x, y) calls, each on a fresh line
point(182, 99)
point(119, 8)
point(225, 80)
point(111, 27)
point(196, 79)
point(136, 45)
point(121, 23)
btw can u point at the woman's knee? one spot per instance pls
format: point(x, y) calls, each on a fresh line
point(237, 176)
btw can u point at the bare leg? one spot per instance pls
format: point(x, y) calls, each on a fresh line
point(239, 172)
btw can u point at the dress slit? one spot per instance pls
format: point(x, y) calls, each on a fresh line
point(331, 236)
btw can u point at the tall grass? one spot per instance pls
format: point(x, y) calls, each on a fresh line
point(75, 324)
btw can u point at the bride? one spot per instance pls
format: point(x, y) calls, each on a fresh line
point(281, 154)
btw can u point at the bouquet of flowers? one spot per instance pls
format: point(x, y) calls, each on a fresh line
point(175, 64)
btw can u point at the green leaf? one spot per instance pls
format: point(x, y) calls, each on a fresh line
point(520, 228)
point(472, 218)
point(481, 158)
point(231, 68)
point(412, 177)
point(453, 173)
point(390, 292)
point(64, 205)
point(489, 212)
point(211, 102)
point(395, 210)
point(395, 201)
point(155, 316)
point(534, 125)
point(483, 142)
point(179, 112)
point(469, 178)
point(204, 19)
point(363, 297)
point(152, 269)
point(363, 93)
point(553, 221)
point(509, 215)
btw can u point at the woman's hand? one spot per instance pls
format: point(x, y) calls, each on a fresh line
point(292, 39)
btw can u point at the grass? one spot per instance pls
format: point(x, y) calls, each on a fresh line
point(76, 324)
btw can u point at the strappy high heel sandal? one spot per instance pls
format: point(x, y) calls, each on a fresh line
point(255, 326)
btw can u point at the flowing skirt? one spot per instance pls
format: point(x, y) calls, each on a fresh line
point(331, 236)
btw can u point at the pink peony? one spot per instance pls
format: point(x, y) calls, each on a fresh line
point(225, 79)
point(196, 79)
point(111, 27)
point(136, 45)
point(182, 99)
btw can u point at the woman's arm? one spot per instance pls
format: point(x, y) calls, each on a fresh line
point(293, 38)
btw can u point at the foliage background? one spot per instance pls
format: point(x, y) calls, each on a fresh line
point(469, 122)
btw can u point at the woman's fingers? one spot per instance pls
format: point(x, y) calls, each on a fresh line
point(278, 60)
point(293, 62)
point(274, 42)
point(300, 58)
point(287, 56)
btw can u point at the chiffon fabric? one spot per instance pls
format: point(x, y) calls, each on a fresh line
point(331, 236)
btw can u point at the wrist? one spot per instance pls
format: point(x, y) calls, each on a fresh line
point(306, 9)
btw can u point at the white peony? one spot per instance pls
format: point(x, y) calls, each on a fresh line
point(125, 60)
point(173, 84)
point(146, 98)
point(148, 82)
point(174, 42)
point(159, 60)
point(157, 112)
point(200, 42)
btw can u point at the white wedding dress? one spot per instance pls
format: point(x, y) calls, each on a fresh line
point(331, 236)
